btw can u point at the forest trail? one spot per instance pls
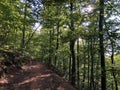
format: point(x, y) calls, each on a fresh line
point(34, 76)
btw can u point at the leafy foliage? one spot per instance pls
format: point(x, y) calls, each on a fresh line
point(61, 22)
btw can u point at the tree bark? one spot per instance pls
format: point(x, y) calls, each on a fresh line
point(92, 67)
point(70, 68)
point(50, 47)
point(78, 65)
point(72, 44)
point(57, 45)
point(113, 70)
point(102, 56)
point(88, 63)
point(73, 77)
point(24, 26)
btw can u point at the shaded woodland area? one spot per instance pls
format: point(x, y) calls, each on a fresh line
point(78, 39)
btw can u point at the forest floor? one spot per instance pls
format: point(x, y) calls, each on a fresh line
point(34, 76)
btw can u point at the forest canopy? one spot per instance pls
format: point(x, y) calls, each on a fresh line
point(81, 38)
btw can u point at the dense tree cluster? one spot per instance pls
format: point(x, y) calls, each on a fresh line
point(79, 37)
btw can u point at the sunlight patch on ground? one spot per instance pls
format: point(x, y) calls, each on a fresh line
point(3, 81)
point(60, 88)
point(33, 79)
point(30, 67)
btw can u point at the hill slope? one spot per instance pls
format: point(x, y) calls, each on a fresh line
point(34, 76)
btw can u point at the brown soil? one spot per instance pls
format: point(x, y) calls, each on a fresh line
point(34, 76)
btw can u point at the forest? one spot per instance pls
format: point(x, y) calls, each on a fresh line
point(80, 38)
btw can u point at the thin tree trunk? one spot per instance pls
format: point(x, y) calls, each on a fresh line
point(24, 26)
point(84, 72)
point(57, 44)
point(72, 43)
point(70, 68)
point(73, 77)
point(78, 65)
point(50, 46)
point(102, 56)
point(92, 66)
point(97, 74)
point(113, 70)
point(88, 63)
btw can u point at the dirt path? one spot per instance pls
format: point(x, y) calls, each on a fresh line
point(35, 76)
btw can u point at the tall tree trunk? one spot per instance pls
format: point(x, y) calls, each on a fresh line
point(70, 68)
point(72, 43)
point(24, 26)
point(92, 66)
point(50, 47)
point(57, 44)
point(78, 65)
point(102, 56)
point(88, 63)
point(97, 74)
point(113, 70)
point(84, 71)
point(73, 77)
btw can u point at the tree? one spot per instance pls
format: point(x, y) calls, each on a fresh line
point(102, 56)
point(24, 26)
point(72, 44)
point(71, 37)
